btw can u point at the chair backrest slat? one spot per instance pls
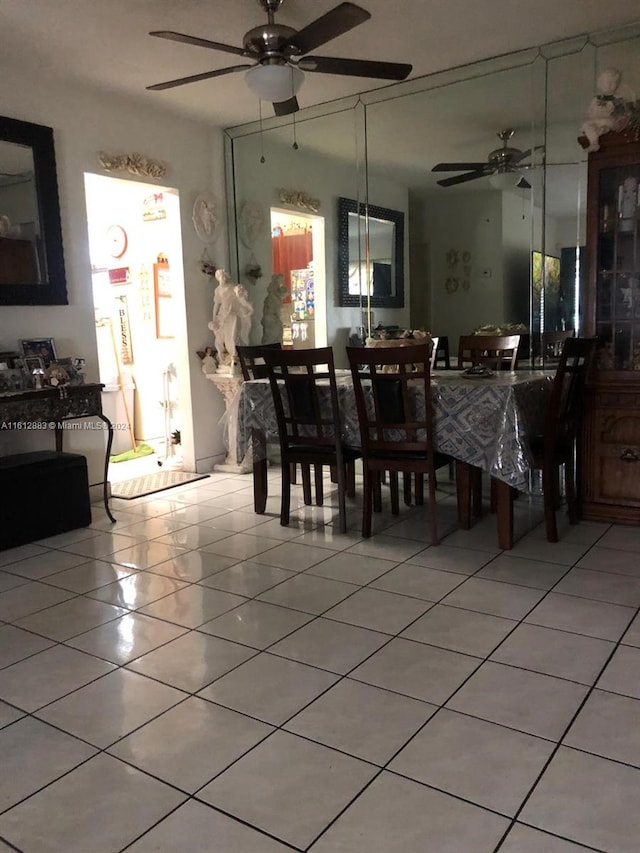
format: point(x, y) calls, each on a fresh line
point(499, 352)
point(567, 397)
point(251, 360)
point(392, 387)
point(305, 397)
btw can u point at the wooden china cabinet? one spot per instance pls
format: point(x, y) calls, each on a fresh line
point(610, 479)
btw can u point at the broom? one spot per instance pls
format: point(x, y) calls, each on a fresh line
point(137, 450)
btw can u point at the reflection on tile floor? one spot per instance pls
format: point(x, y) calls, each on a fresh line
point(198, 678)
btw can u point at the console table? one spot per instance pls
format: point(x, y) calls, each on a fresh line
point(48, 408)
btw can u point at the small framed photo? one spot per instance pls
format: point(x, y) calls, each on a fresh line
point(33, 362)
point(43, 348)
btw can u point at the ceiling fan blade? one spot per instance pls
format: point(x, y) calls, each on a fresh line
point(340, 20)
point(285, 108)
point(198, 42)
point(356, 67)
point(524, 154)
point(181, 81)
point(457, 167)
point(461, 179)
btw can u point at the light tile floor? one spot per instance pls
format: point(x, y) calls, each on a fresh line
point(198, 678)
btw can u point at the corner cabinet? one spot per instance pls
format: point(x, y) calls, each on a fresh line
point(610, 478)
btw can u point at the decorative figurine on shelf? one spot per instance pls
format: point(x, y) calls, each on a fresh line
point(609, 109)
point(627, 203)
point(271, 310)
point(231, 322)
point(208, 361)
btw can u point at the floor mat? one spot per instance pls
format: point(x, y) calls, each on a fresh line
point(150, 483)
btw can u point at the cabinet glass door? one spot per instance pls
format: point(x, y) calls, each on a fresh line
point(618, 270)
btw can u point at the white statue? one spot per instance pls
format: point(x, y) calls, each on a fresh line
point(231, 321)
point(271, 310)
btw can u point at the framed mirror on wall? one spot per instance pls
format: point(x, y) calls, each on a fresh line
point(370, 255)
point(31, 254)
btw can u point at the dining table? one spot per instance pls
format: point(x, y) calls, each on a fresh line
point(483, 421)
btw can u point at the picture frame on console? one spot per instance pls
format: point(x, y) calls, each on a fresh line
point(43, 348)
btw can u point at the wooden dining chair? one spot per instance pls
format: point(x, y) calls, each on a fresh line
point(251, 360)
point(552, 344)
point(252, 364)
point(557, 444)
point(393, 396)
point(440, 353)
point(305, 398)
point(498, 352)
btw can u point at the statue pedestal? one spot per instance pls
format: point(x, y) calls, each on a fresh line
point(229, 385)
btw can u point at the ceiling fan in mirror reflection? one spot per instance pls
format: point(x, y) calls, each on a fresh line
point(503, 166)
point(278, 70)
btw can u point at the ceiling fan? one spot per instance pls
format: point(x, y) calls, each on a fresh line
point(501, 161)
point(277, 73)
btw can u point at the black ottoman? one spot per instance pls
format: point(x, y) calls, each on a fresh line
point(42, 494)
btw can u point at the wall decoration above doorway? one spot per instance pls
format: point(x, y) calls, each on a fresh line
point(135, 164)
point(205, 217)
point(299, 199)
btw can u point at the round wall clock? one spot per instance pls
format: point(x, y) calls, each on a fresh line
point(117, 241)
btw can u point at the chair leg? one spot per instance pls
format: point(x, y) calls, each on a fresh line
point(318, 480)
point(294, 473)
point(549, 488)
point(342, 506)
point(333, 471)
point(306, 484)
point(377, 491)
point(420, 489)
point(286, 495)
point(370, 482)
point(395, 497)
point(406, 488)
point(435, 539)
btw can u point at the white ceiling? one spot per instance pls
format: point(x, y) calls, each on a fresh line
point(106, 44)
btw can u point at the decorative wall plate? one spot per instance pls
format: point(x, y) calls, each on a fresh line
point(251, 223)
point(205, 217)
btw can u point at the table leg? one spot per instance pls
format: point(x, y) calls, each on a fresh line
point(105, 481)
point(259, 448)
point(58, 436)
point(463, 491)
point(504, 506)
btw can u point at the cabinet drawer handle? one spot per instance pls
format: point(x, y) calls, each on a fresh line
point(629, 455)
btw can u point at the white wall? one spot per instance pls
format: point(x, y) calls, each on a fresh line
point(85, 122)
point(463, 222)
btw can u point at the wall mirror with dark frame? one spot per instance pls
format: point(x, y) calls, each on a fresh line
point(31, 254)
point(471, 245)
point(370, 255)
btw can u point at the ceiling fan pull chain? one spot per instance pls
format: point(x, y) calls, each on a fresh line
point(295, 145)
point(262, 157)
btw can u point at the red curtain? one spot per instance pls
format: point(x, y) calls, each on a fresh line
point(290, 252)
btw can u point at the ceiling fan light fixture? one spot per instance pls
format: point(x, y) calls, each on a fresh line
point(274, 82)
point(505, 181)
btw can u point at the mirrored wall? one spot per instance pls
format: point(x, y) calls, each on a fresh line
point(498, 242)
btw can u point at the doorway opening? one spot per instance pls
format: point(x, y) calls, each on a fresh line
point(298, 253)
point(135, 248)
